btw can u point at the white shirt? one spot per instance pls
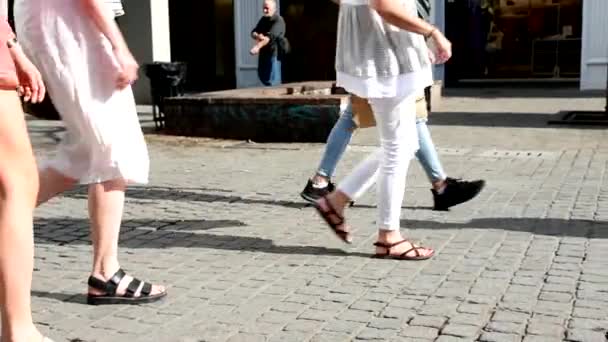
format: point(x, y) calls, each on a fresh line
point(375, 59)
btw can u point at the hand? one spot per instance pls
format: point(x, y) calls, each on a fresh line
point(443, 45)
point(30, 86)
point(254, 50)
point(129, 67)
point(432, 56)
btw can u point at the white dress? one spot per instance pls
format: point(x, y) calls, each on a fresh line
point(103, 138)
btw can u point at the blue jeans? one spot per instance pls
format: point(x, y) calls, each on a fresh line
point(269, 70)
point(342, 132)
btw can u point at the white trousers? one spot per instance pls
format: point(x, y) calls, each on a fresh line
point(387, 166)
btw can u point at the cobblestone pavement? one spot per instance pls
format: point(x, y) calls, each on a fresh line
point(221, 223)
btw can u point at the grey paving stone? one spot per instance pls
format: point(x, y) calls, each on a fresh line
point(506, 327)
point(510, 316)
point(584, 335)
point(461, 330)
point(499, 337)
point(554, 330)
point(448, 338)
point(330, 337)
point(419, 332)
point(371, 334)
point(537, 338)
point(428, 321)
point(243, 337)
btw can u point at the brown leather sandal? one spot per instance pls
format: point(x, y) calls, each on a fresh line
point(404, 255)
point(333, 219)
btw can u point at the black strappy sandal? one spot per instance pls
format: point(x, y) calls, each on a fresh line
point(404, 255)
point(333, 220)
point(110, 287)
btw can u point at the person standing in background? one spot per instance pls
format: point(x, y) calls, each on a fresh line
point(269, 36)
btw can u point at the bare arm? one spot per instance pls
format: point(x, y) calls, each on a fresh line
point(260, 43)
point(105, 24)
point(394, 13)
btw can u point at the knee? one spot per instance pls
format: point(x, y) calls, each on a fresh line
point(19, 183)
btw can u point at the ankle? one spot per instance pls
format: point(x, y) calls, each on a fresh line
point(389, 236)
point(440, 186)
point(105, 269)
point(320, 181)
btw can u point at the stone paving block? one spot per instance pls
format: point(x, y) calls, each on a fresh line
point(330, 337)
point(473, 308)
point(317, 315)
point(551, 308)
point(368, 305)
point(428, 321)
point(554, 330)
point(461, 330)
point(555, 297)
point(356, 315)
point(499, 337)
point(506, 327)
point(243, 337)
point(372, 334)
point(479, 320)
point(510, 316)
point(398, 313)
point(590, 313)
point(590, 324)
point(537, 338)
point(342, 326)
point(289, 336)
point(385, 323)
point(303, 325)
point(419, 332)
point(448, 338)
point(583, 335)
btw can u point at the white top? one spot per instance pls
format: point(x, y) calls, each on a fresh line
point(403, 85)
point(375, 59)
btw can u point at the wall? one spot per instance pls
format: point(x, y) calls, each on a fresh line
point(594, 59)
point(146, 29)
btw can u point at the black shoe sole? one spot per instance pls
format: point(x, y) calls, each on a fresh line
point(120, 300)
point(308, 198)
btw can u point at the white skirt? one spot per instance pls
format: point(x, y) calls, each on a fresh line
point(104, 140)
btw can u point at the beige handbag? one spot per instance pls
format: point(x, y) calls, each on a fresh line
point(363, 115)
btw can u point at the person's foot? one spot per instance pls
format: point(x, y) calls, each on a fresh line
point(313, 192)
point(392, 245)
point(455, 192)
point(121, 288)
point(29, 333)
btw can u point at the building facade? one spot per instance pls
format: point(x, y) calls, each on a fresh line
point(494, 40)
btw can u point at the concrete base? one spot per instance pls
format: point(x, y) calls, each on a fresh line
point(299, 112)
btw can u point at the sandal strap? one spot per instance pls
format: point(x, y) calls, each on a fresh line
point(132, 288)
point(415, 249)
point(331, 210)
point(389, 246)
point(146, 290)
point(110, 286)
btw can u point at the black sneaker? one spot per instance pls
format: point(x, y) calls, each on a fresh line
point(456, 192)
point(312, 194)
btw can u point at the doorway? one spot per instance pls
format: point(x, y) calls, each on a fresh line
point(202, 36)
point(514, 39)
